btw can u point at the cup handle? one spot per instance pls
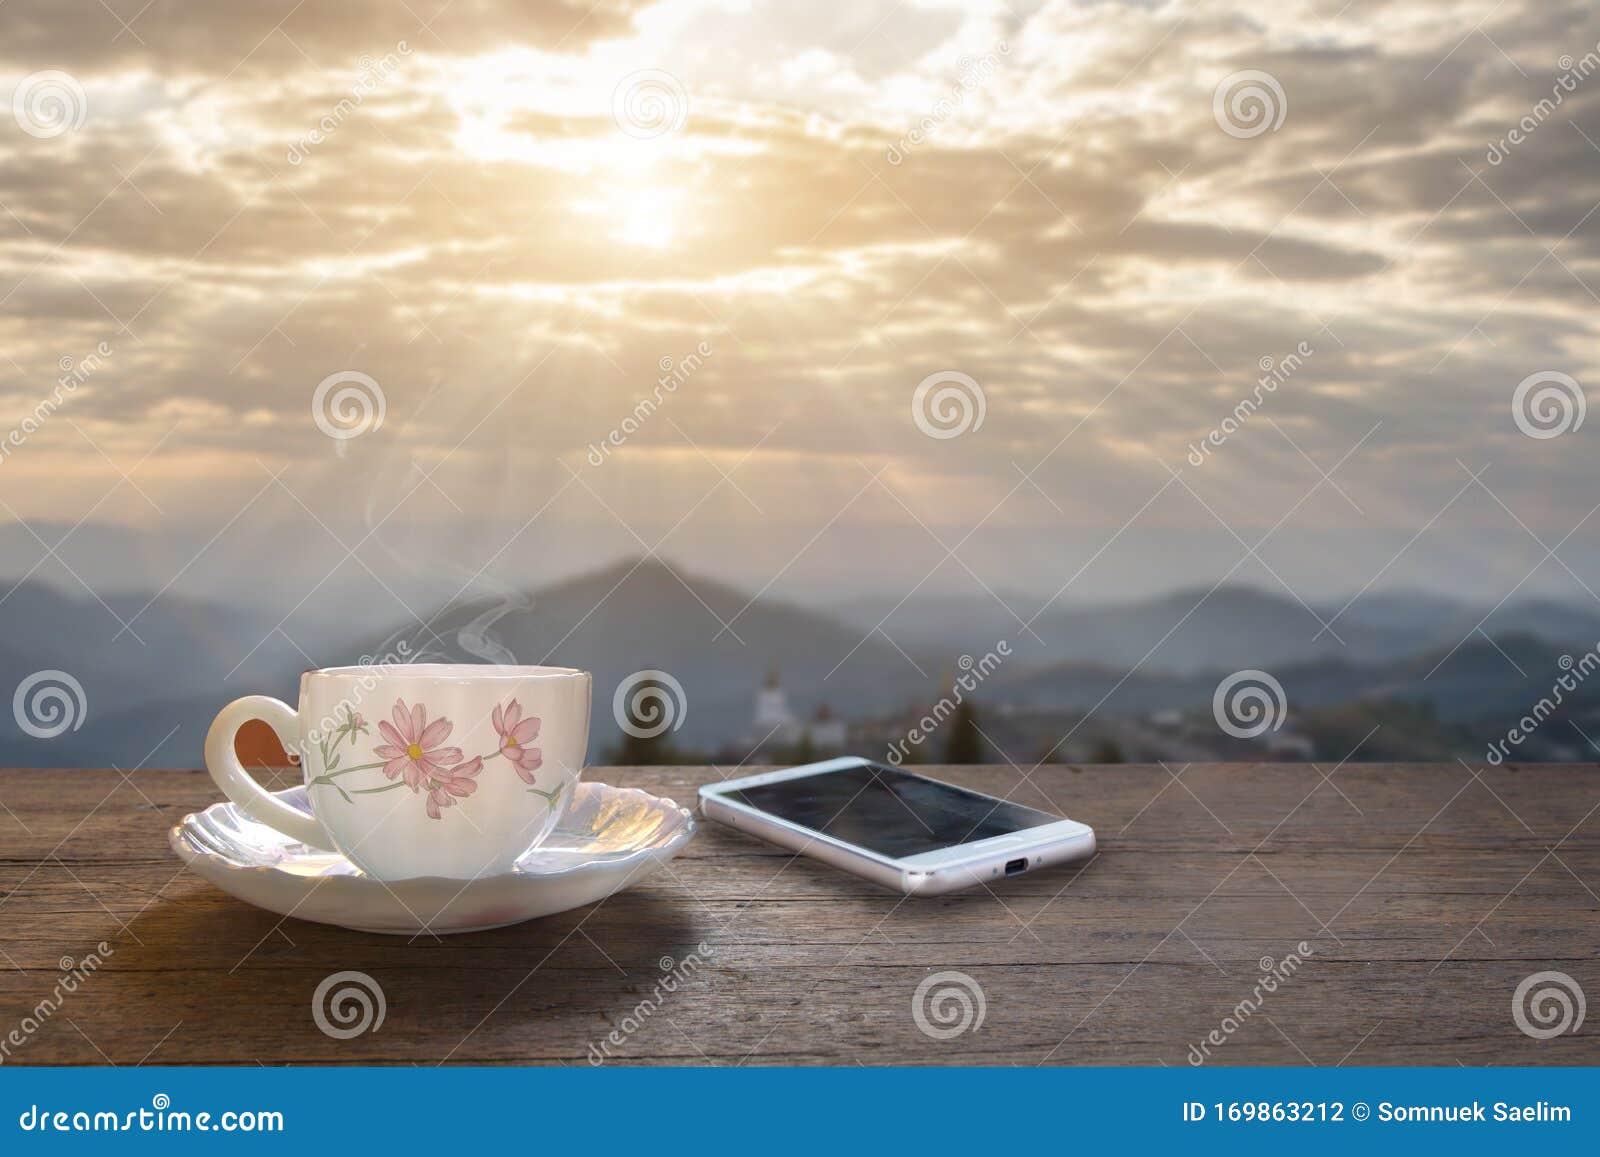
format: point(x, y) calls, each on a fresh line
point(255, 801)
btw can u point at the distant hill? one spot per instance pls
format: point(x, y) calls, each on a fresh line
point(180, 668)
point(1406, 649)
point(174, 668)
point(1406, 610)
point(1198, 630)
point(1183, 632)
point(640, 614)
point(1474, 693)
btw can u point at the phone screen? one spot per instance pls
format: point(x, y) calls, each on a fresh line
point(889, 811)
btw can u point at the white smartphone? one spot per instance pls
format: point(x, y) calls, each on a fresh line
point(894, 827)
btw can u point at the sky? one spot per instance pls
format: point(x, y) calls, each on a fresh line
point(375, 298)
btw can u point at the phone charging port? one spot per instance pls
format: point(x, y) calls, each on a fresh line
point(1016, 867)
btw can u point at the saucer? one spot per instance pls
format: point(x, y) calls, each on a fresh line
point(609, 839)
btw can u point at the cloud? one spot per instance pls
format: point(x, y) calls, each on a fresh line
point(193, 40)
point(1046, 203)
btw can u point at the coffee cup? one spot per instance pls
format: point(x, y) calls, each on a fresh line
point(426, 769)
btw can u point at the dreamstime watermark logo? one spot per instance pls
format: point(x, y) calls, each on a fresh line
point(1548, 404)
point(49, 703)
point(1249, 103)
point(74, 372)
point(1572, 72)
point(973, 673)
point(1249, 703)
point(373, 73)
point(673, 375)
point(348, 404)
point(649, 103)
point(160, 1117)
point(1274, 372)
point(948, 404)
point(674, 974)
point(1576, 672)
point(74, 974)
point(347, 1004)
point(974, 74)
point(1548, 1004)
point(947, 1004)
point(49, 104)
point(373, 669)
point(649, 703)
point(1274, 974)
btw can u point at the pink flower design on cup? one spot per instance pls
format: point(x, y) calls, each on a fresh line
point(413, 749)
point(515, 734)
point(413, 755)
point(444, 787)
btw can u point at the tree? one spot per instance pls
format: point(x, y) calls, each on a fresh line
point(965, 744)
point(1107, 751)
point(642, 751)
point(804, 751)
point(651, 710)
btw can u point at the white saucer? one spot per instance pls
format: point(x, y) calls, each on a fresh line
point(610, 838)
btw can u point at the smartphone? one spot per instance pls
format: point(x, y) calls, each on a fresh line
point(894, 827)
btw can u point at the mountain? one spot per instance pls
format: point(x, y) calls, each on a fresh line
point(1405, 610)
point(178, 662)
point(151, 697)
point(945, 623)
point(1568, 626)
point(1206, 630)
point(644, 614)
point(185, 657)
point(1196, 630)
point(1473, 693)
point(1184, 632)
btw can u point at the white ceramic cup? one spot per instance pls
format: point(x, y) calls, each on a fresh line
point(427, 769)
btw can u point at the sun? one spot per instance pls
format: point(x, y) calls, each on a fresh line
point(648, 218)
point(641, 216)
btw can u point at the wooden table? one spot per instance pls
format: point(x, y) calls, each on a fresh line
point(1424, 894)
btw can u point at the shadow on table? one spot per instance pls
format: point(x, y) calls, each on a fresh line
point(237, 984)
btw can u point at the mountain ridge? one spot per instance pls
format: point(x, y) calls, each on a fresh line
point(721, 641)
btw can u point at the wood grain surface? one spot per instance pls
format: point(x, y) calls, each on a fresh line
point(1423, 893)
